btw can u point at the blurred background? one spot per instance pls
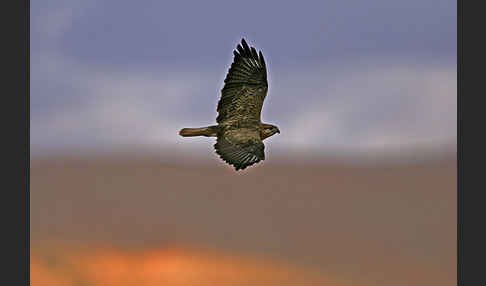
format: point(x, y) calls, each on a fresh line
point(358, 189)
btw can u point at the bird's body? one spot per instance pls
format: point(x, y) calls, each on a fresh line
point(240, 132)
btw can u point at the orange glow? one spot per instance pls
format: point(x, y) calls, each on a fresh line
point(177, 267)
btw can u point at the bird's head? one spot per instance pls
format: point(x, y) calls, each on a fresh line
point(269, 130)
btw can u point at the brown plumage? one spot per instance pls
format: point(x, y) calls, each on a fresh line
point(240, 132)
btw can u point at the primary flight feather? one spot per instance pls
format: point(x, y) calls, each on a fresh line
point(240, 132)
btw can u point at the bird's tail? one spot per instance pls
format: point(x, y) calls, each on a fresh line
point(209, 131)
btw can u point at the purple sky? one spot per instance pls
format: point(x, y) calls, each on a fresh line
point(343, 75)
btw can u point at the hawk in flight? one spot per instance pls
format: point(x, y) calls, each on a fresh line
point(240, 132)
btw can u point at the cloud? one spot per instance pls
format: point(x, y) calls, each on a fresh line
point(389, 106)
point(167, 266)
point(353, 103)
point(114, 108)
point(170, 33)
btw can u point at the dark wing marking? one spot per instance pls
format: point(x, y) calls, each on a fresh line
point(240, 148)
point(245, 87)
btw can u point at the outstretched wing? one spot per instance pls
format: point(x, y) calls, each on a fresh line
point(245, 88)
point(240, 147)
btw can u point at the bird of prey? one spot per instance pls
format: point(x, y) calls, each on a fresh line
point(240, 132)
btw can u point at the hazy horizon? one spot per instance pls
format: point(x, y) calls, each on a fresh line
point(115, 220)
